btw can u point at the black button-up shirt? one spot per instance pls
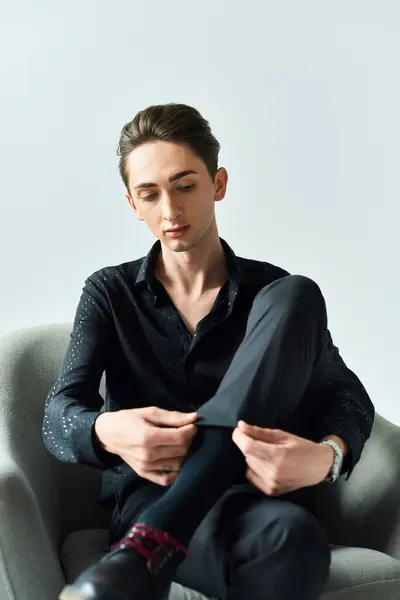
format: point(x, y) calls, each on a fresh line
point(127, 326)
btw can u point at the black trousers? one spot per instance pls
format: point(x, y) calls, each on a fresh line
point(249, 543)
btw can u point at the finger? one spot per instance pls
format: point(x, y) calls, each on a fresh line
point(257, 481)
point(241, 440)
point(262, 483)
point(156, 453)
point(263, 433)
point(160, 478)
point(238, 437)
point(253, 477)
point(167, 418)
point(151, 453)
point(170, 478)
point(168, 436)
point(163, 477)
point(259, 466)
point(171, 464)
point(252, 447)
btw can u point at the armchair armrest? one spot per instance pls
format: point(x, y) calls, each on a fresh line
point(365, 510)
point(29, 514)
point(29, 565)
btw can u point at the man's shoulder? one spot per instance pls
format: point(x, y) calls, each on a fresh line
point(110, 275)
point(259, 270)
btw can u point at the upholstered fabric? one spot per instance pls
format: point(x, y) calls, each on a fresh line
point(51, 526)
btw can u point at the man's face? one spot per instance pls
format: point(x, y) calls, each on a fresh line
point(175, 198)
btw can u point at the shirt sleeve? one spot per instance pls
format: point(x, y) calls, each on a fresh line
point(350, 412)
point(74, 401)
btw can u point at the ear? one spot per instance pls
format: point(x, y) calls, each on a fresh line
point(220, 183)
point(133, 206)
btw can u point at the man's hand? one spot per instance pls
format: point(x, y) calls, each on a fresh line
point(279, 462)
point(148, 439)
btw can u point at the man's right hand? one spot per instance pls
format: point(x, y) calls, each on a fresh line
point(148, 439)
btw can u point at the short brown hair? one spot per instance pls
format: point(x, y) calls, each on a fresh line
point(170, 122)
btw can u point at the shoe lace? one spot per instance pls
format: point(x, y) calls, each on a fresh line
point(154, 544)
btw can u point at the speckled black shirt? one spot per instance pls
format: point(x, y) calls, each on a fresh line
point(127, 326)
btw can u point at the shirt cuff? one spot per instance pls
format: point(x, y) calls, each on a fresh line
point(354, 441)
point(87, 447)
point(354, 446)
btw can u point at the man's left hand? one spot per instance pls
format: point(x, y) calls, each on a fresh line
point(279, 462)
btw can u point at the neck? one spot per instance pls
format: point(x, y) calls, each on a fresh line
point(195, 271)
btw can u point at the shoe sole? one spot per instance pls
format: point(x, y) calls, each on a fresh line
point(69, 594)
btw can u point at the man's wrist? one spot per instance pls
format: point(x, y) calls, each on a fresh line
point(101, 448)
point(330, 459)
point(338, 450)
point(335, 438)
point(101, 430)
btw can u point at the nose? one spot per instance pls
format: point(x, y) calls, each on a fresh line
point(170, 208)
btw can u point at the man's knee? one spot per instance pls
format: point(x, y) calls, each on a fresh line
point(300, 539)
point(294, 295)
point(292, 287)
point(293, 532)
point(285, 550)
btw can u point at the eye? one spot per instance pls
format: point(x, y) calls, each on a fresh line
point(183, 188)
point(186, 188)
point(149, 197)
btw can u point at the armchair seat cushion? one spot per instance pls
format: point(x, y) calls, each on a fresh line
point(356, 573)
point(352, 567)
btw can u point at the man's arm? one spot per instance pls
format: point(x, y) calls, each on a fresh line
point(350, 412)
point(74, 401)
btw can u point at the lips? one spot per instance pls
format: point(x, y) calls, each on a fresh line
point(176, 229)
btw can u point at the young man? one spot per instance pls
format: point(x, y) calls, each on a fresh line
point(227, 403)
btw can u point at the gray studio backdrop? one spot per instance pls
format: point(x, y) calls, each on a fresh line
point(304, 97)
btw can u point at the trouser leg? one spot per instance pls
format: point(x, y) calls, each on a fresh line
point(249, 546)
point(280, 551)
point(274, 364)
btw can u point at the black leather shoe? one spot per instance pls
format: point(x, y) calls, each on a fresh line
point(136, 569)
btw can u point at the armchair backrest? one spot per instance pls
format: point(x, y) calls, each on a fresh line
point(30, 361)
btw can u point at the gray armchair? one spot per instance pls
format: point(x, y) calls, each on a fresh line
point(51, 526)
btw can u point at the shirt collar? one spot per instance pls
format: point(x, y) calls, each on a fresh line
point(147, 269)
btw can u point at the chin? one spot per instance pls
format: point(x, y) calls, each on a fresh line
point(180, 244)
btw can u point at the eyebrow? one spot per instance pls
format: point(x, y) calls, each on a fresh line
point(172, 178)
